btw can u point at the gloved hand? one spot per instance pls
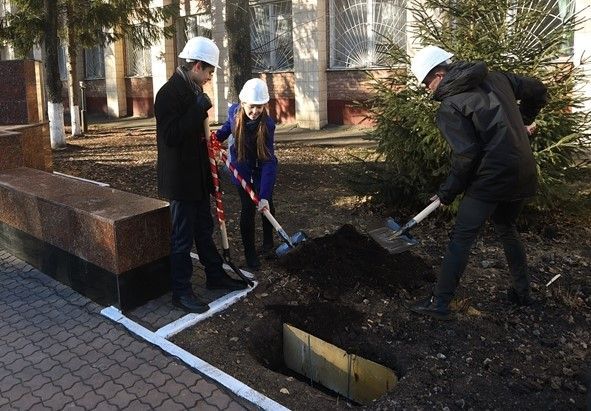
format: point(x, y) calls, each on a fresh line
point(445, 199)
point(262, 205)
point(203, 101)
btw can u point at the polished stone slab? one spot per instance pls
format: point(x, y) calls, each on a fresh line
point(112, 229)
point(11, 149)
point(26, 145)
point(127, 290)
point(21, 92)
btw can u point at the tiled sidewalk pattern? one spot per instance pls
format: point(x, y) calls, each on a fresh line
point(57, 352)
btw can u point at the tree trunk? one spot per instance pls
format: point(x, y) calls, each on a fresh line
point(55, 106)
point(73, 90)
point(238, 29)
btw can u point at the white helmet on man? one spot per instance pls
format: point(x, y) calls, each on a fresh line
point(254, 91)
point(427, 59)
point(202, 49)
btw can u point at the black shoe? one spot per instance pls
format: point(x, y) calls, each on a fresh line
point(225, 283)
point(521, 299)
point(433, 307)
point(268, 251)
point(253, 263)
point(190, 303)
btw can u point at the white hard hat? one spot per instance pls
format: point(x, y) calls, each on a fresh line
point(426, 60)
point(202, 49)
point(254, 91)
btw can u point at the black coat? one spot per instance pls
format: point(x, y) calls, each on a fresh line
point(183, 162)
point(484, 124)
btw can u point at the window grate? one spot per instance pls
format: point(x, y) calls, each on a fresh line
point(139, 60)
point(271, 35)
point(554, 14)
point(192, 26)
point(94, 63)
point(360, 30)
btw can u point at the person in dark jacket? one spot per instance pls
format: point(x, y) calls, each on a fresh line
point(486, 117)
point(253, 154)
point(184, 175)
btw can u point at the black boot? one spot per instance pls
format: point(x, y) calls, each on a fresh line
point(521, 299)
point(190, 303)
point(250, 254)
point(252, 261)
point(225, 282)
point(433, 307)
point(268, 250)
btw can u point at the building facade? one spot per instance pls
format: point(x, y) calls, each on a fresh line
point(313, 54)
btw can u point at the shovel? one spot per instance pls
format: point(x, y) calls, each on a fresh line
point(289, 242)
point(220, 212)
point(396, 239)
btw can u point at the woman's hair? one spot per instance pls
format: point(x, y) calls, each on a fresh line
point(261, 133)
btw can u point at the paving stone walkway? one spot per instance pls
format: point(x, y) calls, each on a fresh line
point(57, 351)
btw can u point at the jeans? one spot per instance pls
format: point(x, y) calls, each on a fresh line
point(471, 217)
point(247, 224)
point(192, 221)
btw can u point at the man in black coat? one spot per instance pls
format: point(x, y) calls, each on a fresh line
point(184, 175)
point(486, 117)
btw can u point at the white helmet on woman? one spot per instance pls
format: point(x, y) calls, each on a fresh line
point(427, 59)
point(202, 49)
point(254, 91)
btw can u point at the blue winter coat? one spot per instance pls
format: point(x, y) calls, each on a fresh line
point(259, 173)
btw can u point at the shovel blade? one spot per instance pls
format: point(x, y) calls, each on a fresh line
point(385, 237)
point(296, 239)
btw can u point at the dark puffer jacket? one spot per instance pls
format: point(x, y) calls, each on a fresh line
point(483, 116)
point(183, 161)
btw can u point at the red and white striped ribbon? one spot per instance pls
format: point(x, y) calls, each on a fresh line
point(219, 206)
point(224, 157)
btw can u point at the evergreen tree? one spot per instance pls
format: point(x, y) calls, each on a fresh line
point(523, 36)
point(79, 23)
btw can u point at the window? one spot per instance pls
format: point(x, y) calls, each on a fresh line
point(554, 14)
point(94, 63)
point(192, 26)
point(271, 41)
point(139, 60)
point(360, 29)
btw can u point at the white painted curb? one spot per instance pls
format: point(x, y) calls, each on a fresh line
point(214, 307)
point(201, 366)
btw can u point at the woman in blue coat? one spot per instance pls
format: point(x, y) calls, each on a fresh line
point(253, 154)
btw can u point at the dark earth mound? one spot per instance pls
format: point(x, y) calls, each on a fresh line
point(347, 259)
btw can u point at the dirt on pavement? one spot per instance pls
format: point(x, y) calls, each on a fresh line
point(341, 287)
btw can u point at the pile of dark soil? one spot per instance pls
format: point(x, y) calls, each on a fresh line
point(347, 259)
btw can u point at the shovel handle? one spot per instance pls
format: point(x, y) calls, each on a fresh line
point(427, 210)
point(272, 220)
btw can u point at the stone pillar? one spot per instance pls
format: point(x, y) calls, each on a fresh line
point(310, 61)
point(115, 79)
point(163, 54)
point(582, 48)
point(221, 78)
